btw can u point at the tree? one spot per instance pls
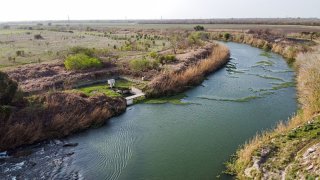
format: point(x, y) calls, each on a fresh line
point(174, 42)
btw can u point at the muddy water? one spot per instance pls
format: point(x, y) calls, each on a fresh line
point(252, 93)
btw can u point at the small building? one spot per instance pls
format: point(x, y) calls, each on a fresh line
point(129, 102)
point(111, 82)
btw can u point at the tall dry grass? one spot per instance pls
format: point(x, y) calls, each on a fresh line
point(287, 50)
point(170, 83)
point(56, 115)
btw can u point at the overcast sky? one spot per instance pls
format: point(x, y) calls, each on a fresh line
point(17, 10)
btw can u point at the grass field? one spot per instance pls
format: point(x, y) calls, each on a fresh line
point(18, 45)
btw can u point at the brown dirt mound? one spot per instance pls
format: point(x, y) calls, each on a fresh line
point(46, 76)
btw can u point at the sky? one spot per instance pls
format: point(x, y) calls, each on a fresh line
point(26, 10)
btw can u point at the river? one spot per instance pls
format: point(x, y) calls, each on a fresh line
point(252, 93)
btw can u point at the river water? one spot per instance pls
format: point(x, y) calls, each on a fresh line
point(252, 93)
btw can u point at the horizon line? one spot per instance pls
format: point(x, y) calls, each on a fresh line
point(162, 19)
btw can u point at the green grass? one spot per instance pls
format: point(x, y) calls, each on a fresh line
point(177, 99)
point(124, 84)
point(99, 89)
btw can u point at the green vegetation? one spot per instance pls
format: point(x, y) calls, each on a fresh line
point(177, 99)
point(265, 63)
point(226, 36)
point(197, 38)
point(81, 61)
point(124, 84)
point(143, 64)
point(283, 85)
point(167, 59)
point(266, 54)
point(105, 89)
point(269, 77)
point(153, 54)
point(244, 99)
point(198, 28)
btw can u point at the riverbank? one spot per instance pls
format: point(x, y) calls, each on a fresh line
point(190, 72)
point(55, 115)
point(290, 150)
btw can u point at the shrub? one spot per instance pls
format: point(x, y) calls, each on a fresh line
point(167, 58)
point(8, 89)
point(198, 28)
point(81, 61)
point(226, 36)
point(38, 37)
point(143, 64)
point(20, 53)
point(82, 50)
point(194, 39)
point(153, 54)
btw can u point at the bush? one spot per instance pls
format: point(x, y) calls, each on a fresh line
point(194, 39)
point(20, 53)
point(167, 59)
point(153, 54)
point(38, 37)
point(81, 61)
point(82, 50)
point(226, 36)
point(198, 28)
point(143, 64)
point(8, 89)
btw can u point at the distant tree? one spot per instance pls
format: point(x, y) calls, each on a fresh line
point(38, 36)
point(226, 36)
point(20, 53)
point(49, 24)
point(198, 28)
point(114, 47)
point(6, 27)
